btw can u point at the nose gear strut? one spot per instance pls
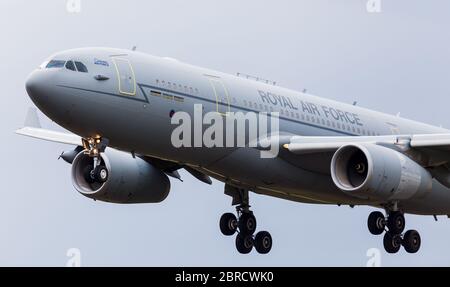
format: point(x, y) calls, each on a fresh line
point(93, 147)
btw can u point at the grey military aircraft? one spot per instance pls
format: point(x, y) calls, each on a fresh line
point(119, 105)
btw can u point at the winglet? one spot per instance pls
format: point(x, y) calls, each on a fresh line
point(32, 119)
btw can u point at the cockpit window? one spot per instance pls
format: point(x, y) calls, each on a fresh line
point(81, 67)
point(55, 64)
point(70, 66)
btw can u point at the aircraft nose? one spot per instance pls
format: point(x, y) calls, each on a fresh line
point(36, 87)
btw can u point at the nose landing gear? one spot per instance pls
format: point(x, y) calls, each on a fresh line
point(97, 172)
point(394, 238)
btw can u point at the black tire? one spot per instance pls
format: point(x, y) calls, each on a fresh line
point(396, 223)
point(87, 172)
point(263, 242)
point(101, 174)
point(392, 242)
point(228, 224)
point(247, 224)
point(376, 223)
point(244, 243)
point(412, 241)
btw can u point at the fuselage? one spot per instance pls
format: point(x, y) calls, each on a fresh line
point(130, 97)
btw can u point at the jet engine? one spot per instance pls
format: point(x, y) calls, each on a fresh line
point(130, 180)
point(374, 172)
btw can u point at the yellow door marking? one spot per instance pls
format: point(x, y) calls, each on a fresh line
point(213, 83)
point(133, 93)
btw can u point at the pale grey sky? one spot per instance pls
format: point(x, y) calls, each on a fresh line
point(394, 61)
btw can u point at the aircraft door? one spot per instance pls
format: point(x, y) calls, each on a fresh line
point(222, 97)
point(125, 75)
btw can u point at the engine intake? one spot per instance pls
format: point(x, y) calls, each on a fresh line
point(370, 171)
point(130, 180)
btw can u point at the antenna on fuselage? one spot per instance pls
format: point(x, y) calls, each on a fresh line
point(134, 48)
point(355, 103)
point(258, 79)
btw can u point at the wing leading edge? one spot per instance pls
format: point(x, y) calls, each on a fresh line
point(433, 148)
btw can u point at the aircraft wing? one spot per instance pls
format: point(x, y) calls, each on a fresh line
point(431, 149)
point(307, 145)
point(434, 141)
point(48, 135)
point(33, 129)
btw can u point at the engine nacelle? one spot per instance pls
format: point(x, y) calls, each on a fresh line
point(130, 180)
point(374, 172)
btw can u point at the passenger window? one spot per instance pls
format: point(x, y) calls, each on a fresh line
point(70, 66)
point(55, 64)
point(81, 67)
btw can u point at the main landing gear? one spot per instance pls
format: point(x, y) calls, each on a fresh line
point(393, 225)
point(97, 171)
point(244, 224)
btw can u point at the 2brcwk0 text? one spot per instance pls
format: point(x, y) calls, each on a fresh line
point(204, 278)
